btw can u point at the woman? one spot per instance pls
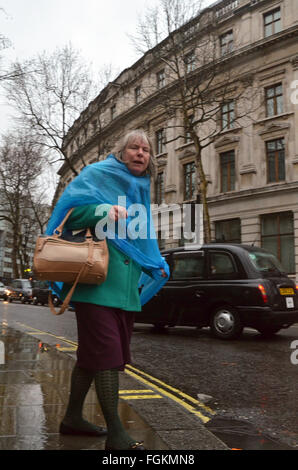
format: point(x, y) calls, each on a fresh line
point(105, 313)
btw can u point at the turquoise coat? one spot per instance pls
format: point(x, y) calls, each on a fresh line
point(120, 288)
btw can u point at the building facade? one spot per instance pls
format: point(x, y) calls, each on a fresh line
point(17, 246)
point(251, 168)
point(26, 251)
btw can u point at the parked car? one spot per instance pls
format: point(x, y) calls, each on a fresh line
point(2, 290)
point(40, 293)
point(20, 289)
point(226, 287)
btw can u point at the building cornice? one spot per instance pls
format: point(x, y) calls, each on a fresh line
point(277, 188)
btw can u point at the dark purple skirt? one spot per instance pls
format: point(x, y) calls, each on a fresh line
point(104, 335)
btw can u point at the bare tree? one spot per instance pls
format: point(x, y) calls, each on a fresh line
point(198, 81)
point(106, 74)
point(49, 92)
point(21, 163)
point(160, 20)
point(4, 44)
point(5, 72)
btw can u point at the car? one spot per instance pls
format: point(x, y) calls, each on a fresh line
point(40, 293)
point(2, 290)
point(225, 287)
point(19, 289)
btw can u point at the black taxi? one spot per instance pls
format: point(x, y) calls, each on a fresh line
point(226, 287)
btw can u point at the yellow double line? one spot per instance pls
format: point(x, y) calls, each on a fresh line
point(138, 394)
point(191, 404)
point(188, 402)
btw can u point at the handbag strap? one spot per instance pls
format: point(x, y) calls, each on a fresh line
point(87, 265)
point(67, 298)
point(59, 229)
point(89, 262)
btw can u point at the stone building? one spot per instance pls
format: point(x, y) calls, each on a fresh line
point(252, 169)
point(23, 253)
point(6, 253)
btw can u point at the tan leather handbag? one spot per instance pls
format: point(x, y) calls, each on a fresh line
point(56, 259)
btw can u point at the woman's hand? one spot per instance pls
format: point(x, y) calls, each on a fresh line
point(118, 212)
point(163, 273)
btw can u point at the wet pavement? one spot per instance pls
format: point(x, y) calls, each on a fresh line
point(239, 435)
point(34, 390)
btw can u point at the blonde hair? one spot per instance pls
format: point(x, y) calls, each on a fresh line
point(126, 140)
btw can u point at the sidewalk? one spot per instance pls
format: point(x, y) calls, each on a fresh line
point(34, 388)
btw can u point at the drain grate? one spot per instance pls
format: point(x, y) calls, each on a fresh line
point(237, 434)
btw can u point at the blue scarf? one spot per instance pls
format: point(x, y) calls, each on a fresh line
point(102, 183)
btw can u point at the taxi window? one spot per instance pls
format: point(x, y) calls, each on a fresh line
point(188, 265)
point(222, 266)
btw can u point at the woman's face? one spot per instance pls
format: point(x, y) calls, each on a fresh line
point(136, 156)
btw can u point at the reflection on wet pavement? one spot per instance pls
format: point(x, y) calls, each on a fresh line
point(34, 388)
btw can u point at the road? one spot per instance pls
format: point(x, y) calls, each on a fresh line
point(250, 383)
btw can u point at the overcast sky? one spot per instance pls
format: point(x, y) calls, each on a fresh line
point(98, 28)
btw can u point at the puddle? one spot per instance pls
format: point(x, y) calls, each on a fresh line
point(240, 435)
point(34, 391)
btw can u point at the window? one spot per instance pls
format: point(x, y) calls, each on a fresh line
point(227, 171)
point(265, 262)
point(228, 231)
point(222, 265)
point(189, 180)
point(159, 188)
point(277, 236)
point(190, 62)
point(160, 141)
point(226, 43)
point(227, 115)
point(187, 134)
point(188, 265)
point(229, 6)
point(94, 126)
point(113, 111)
point(161, 79)
point(275, 152)
point(274, 100)
point(137, 94)
point(272, 22)
point(161, 240)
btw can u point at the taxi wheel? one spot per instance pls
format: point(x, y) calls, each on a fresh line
point(225, 323)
